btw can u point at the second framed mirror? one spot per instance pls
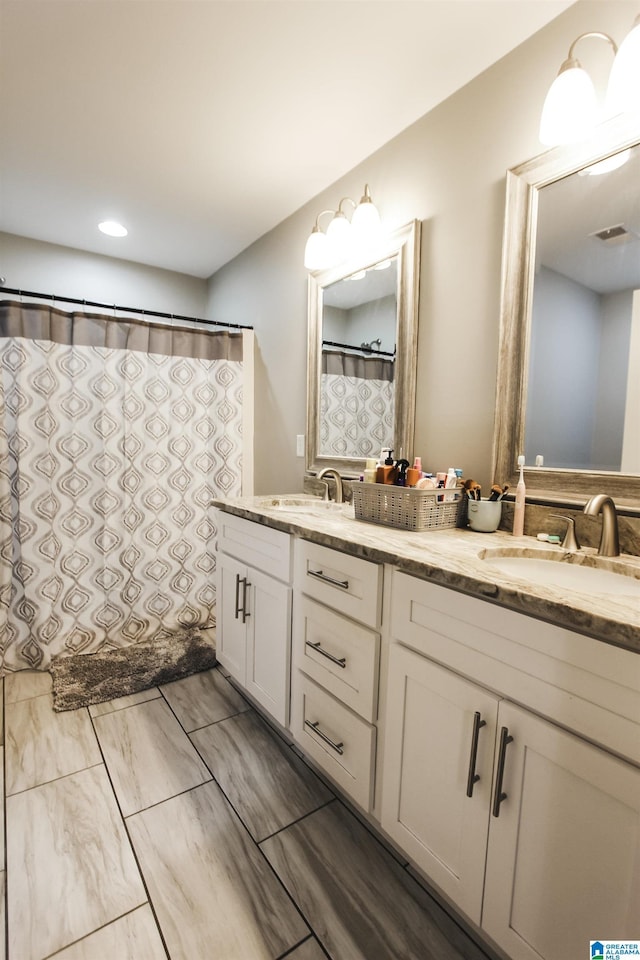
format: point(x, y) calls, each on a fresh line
point(361, 377)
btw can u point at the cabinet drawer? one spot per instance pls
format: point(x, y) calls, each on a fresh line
point(339, 741)
point(338, 654)
point(254, 544)
point(348, 584)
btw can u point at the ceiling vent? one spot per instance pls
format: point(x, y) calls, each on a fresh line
point(613, 236)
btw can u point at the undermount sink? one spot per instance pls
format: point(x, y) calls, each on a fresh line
point(561, 569)
point(301, 505)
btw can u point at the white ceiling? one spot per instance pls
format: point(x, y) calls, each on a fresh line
point(202, 124)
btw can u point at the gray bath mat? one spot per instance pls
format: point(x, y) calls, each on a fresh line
point(83, 679)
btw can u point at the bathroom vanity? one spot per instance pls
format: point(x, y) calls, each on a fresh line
point(487, 725)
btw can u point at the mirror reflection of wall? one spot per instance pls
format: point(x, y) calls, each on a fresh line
point(359, 326)
point(581, 361)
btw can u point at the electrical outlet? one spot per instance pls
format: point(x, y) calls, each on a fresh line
point(300, 445)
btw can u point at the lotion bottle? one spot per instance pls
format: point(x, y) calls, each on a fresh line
point(518, 513)
point(370, 471)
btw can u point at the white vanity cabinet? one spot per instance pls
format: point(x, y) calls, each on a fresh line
point(530, 829)
point(563, 859)
point(253, 633)
point(440, 735)
point(336, 653)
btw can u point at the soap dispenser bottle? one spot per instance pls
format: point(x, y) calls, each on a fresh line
point(384, 473)
point(518, 513)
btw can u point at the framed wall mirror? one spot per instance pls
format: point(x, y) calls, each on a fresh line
point(569, 364)
point(361, 374)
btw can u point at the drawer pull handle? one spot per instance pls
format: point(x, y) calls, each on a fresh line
point(327, 579)
point(499, 796)
point(340, 661)
point(316, 729)
point(473, 777)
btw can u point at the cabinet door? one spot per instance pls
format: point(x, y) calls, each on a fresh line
point(440, 735)
point(563, 863)
point(231, 631)
point(268, 622)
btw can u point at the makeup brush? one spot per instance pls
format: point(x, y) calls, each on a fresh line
point(504, 490)
point(496, 492)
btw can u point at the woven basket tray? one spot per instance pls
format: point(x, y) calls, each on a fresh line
point(406, 508)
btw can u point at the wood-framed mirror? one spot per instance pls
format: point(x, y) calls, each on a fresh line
point(361, 358)
point(568, 386)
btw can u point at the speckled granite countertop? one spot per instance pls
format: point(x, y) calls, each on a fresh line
point(453, 559)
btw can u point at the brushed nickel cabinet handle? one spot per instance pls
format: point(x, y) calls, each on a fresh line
point(245, 612)
point(472, 776)
point(340, 661)
point(319, 575)
point(238, 607)
point(499, 796)
point(316, 729)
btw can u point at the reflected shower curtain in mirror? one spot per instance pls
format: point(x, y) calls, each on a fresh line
point(356, 405)
point(115, 435)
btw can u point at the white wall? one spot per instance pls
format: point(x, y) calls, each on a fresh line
point(631, 443)
point(613, 370)
point(46, 268)
point(563, 371)
point(368, 321)
point(447, 170)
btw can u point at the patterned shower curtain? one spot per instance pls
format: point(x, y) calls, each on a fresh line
point(356, 405)
point(114, 437)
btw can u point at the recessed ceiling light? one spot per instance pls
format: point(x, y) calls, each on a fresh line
point(112, 228)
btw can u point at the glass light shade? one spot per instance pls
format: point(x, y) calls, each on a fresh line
point(366, 219)
point(606, 165)
point(339, 235)
point(317, 251)
point(570, 108)
point(623, 92)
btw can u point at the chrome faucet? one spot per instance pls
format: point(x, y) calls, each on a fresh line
point(330, 471)
point(609, 541)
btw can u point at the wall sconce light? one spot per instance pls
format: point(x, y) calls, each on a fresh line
point(570, 111)
point(343, 237)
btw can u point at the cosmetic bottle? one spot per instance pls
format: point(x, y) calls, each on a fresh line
point(452, 479)
point(400, 479)
point(518, 513)
point(413, 475)
point(370, 471)
point(386, 472)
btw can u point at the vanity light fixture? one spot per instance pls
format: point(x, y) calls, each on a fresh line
point(112, 228)
point(343, 237)
point(570, 111)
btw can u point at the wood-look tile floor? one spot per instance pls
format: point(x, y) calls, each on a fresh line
point(177, 824)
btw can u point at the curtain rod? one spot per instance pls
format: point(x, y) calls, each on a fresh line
point(352, 346)
point(113, 306)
